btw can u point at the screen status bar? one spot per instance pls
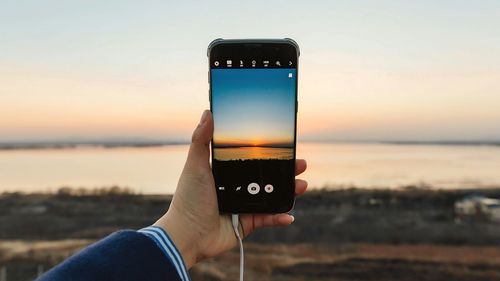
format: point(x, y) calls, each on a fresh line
point(252, 63)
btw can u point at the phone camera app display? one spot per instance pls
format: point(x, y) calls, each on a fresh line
point(254, 131)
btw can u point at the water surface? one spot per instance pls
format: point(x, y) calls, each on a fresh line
point(253, 153)
point(156, 169)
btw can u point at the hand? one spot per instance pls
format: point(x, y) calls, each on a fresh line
point(193, 220)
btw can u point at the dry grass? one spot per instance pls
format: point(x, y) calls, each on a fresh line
point(263, 260)
point(59, 249)
point(433, 253)
point(297, 262)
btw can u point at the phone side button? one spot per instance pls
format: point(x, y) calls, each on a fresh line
point(296, 106)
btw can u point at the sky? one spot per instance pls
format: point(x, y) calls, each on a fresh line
point(253, 107)
point(369, 70)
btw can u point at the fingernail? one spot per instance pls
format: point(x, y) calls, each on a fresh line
point(293, 218)
point(204, 117)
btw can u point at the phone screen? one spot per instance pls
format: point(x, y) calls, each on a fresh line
point(253, 101)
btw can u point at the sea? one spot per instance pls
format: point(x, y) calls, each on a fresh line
point(156, 169)
point(252, 153)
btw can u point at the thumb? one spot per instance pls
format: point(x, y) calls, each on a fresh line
point(199, 150)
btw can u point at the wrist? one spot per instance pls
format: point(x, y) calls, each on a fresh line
point(183, 239)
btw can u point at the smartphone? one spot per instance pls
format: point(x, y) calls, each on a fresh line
point(253, 99)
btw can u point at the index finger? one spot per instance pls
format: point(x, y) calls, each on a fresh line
point(300, 166)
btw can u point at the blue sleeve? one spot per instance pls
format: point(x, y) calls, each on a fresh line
point(147, 254)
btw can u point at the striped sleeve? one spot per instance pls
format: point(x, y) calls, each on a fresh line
point(163, 241)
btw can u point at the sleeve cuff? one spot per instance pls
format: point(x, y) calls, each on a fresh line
point(163, 241)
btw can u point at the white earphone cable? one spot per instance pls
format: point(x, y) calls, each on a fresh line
point(236, 222)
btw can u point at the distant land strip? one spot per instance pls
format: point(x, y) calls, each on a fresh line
point(468, 143)
point(252, 146)
point(43, 145)
point(138, 144)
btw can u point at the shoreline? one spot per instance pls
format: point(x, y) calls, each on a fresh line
point(126, 191)
point(410, 215)
point(6, 146)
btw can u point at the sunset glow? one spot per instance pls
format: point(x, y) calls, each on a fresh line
point(228, 142)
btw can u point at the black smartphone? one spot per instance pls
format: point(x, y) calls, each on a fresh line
point(253, 99)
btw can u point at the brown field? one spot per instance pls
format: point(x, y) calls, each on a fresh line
point(301, 261)
point(356, 262)
point(344, 235)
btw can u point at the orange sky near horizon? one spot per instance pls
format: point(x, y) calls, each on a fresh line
point(254, 141)
point(53, 106)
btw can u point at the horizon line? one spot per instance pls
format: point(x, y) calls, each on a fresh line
point(61, 144)
point(265, 145)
